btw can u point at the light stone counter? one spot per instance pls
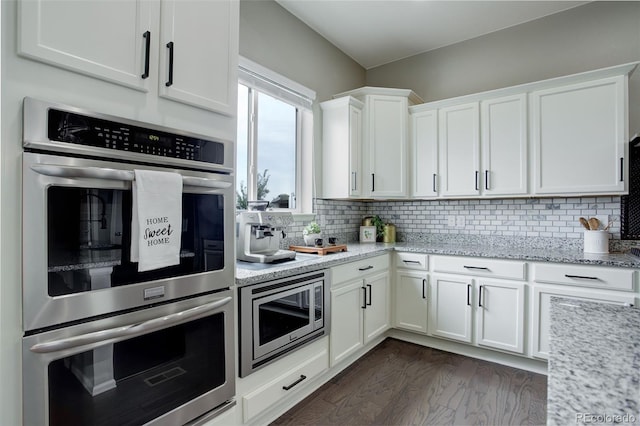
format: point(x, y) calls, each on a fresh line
point(594, 363)
point(249, 274)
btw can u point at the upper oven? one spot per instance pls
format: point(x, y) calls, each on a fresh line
point(78, 172)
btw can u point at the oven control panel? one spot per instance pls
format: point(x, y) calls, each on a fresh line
point(68, 127)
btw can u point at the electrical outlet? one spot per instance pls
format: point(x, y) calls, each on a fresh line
point(460, 221)
point(451, 221)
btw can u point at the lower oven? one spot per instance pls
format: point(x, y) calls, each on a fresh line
point(164, 365)
point(279, 316)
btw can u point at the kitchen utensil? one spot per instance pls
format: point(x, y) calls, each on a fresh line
point(594, 223)
point(584, 223)
point(609, 225)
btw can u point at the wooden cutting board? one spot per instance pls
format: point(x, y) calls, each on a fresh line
point(319, 250)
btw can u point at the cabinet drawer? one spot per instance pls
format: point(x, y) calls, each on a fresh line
point(585, 276)
point(282, 386)
point(480, 267)
point(412, 261)
point(358, 268)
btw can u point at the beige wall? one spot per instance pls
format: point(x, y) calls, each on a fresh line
point(272, 37)
point(596, 35)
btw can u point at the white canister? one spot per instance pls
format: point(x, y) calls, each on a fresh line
point(596, 241)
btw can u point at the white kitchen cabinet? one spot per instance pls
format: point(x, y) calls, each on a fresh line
point(540, 310)
point(126, 42)
point(347, 327)
point(450, 307)
point(504, 145)
point(104, 39)
point(199, 53)
point(500, 315)
point(578, 134)
point(385, 129)
point(459, 150)
point(411, 300)
point(424, 154)
point(360, 311)
point(342, 147)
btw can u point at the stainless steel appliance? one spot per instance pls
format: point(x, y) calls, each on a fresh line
point(259, 235)
point(86, 303)
point(279, 316)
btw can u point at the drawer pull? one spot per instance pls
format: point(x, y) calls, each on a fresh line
point(468, 294)
point(482, 268)
point(581, 277)
point(424, 288)
point(302, 377)
point(365, 268)
point(415, 262)
point(364, 298)
point(480, 297)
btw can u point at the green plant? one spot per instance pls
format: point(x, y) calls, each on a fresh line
point(311, 228)
point(379, 224)
point(242, 198)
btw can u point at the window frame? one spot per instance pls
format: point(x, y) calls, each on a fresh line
point(260, 80)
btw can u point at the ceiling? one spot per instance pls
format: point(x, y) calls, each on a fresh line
point(376, 32)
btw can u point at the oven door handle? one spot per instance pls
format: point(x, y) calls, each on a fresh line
point(115, 174)
point(129, 331)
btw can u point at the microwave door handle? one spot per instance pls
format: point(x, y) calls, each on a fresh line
point(115, 174)
point(129, 330)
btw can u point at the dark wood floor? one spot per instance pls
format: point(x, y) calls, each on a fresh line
point(399, 383)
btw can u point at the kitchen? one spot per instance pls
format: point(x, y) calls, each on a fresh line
point(590, 37)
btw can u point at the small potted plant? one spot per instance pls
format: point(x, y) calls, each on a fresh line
point(310, 233)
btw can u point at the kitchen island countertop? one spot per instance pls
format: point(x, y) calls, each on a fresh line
point(594, 363)
point(246, 275)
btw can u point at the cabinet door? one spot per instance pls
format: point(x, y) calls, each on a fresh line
point(541, 300)
point(500, 315)
point(424, 154)
point(504, 145)
point(104, 39)
point(450, 307)
point(199, 53)
point(347, 307)
point(377, 319)
point(578, 135)
point(411, 301)
point(355, 151)
point(386, 145)
point(459, 137)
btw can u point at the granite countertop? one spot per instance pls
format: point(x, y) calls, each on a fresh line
point(247, 274)
point(594, 363)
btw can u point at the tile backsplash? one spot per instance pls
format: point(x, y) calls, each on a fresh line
point(535, 222)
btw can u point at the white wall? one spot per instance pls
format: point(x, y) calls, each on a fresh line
point(593, 36)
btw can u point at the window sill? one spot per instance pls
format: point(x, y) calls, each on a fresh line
point(304, 217)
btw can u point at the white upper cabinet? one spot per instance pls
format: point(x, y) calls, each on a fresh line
point(386, 148)
point(423, 156)
point(189, 48)
point(504, 145)
point(579, 134)
point(342, 147)
point(198, 53)
point(459, 145)
point(104, 39)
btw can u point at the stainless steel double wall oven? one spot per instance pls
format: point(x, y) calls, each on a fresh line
point(104, 343)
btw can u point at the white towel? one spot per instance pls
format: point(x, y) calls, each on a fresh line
point(156, 220)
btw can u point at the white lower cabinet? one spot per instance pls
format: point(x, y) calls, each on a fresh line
point(360, 308)
point(495, 307)
point(411, 302)
point(500, 315)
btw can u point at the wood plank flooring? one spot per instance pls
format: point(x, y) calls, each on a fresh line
point(400, 383)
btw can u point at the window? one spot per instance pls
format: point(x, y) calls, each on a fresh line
point(274, 143)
